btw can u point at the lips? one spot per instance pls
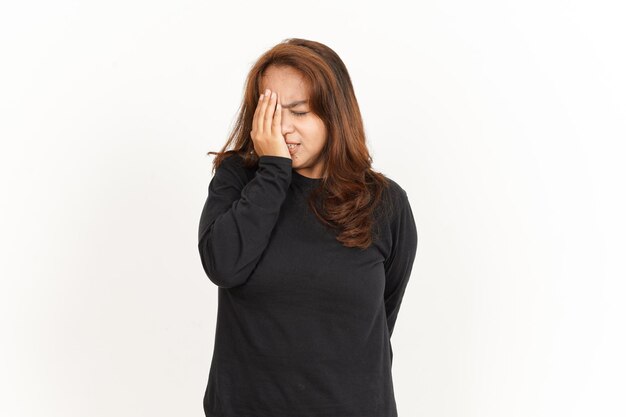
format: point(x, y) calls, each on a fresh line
point(293, 147)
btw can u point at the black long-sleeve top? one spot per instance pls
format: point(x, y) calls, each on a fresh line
point(303, 322)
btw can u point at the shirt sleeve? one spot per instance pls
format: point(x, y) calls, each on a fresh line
point(399, 263)
point(238, 217)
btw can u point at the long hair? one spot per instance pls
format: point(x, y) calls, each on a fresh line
point(350, 190)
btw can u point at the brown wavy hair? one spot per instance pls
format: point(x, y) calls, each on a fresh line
point(350, 190)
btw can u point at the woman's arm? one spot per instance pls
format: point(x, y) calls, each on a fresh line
point(399, 263)
point(238, 217)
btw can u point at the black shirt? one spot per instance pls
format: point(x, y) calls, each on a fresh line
point(303, 322)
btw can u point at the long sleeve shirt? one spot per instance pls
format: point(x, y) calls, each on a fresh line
point(303, 322)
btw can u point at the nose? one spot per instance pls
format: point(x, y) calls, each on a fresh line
point(286, 124)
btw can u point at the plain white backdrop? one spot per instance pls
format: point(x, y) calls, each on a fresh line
point(503, 120)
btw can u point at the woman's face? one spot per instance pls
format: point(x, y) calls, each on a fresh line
point(299, 124)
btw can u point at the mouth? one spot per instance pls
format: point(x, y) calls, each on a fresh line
point(293, 147)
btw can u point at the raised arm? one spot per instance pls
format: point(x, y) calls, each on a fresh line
point(238, 217)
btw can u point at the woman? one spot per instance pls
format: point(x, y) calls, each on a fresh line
point(310, 248)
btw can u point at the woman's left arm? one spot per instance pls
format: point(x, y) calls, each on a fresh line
point(399, 263)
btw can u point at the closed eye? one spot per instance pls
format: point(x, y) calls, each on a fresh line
point(299, 114)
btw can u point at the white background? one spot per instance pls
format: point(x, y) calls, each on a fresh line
point(503, 120)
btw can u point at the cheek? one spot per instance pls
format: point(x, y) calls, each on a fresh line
point(316, 132)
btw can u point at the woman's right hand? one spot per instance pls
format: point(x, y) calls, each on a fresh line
point(266, 127)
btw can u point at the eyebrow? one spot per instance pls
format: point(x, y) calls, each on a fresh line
point(294, 104)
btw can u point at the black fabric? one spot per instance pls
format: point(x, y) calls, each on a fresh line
point(303, 322)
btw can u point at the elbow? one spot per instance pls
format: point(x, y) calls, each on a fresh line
point(218, 273)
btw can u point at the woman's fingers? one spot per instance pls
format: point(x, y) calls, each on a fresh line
point(269, 113)
point(266, 126)
point(276, 121)
point(261, 116)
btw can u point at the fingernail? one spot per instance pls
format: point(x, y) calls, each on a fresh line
point(267, 91)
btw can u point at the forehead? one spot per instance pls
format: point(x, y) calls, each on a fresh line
point(286, 81)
